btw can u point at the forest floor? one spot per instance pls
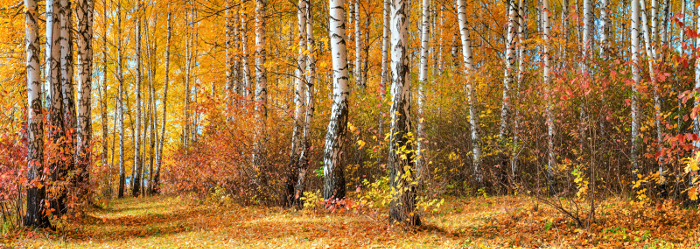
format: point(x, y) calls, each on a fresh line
point(474, 222)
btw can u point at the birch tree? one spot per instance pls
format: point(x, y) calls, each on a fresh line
point(105, 129)
point(120, 78)
point(402, 176)
point(634, 24)
point(137, 142)
point(310, 106)
point(385, 72)
point(85, 10)
point(334, 179)
point(300, 103)
point(69, 113)
point(547, 69)
point(358, 47)
point(471, 89)
point(35, 214)
point(422, 80)
point(166, 82)
point(507, 79)
point(260, 86)
point(54, 11)
point(245, 69)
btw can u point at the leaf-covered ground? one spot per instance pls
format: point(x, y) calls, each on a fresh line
point(171, 222)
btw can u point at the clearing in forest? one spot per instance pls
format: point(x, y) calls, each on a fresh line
point(473, 222)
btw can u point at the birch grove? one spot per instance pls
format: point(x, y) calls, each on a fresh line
point(249, 102)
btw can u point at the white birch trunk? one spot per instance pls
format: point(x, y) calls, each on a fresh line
point(422, 80)
point(166, 82)
point(300, 105)
point(650, 47)
point(137, 142)
point(604, 27)
point(35, 125)
point(547, 69)
point(507, 80)
point(696, 120)
point(385, 71)
point(358, 45)
point(85, 10)
point(261, 84)
point(310, 81)
point(69, 112)
point(120, 77)
point(334, 180)
point(637, 81)
point(522, 35)
point(245, 69)
point(403, 179)
point(471, 89)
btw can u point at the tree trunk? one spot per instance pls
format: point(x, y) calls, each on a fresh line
point(334, 179)
point(384, 74)
point(105, 129)
point(70, 121)
point(402, 207)
point(471, 89)
point(245, 70)
point(510, 55)
point(300, 102)
point(310, 78)
point(259, 156)
point(54, 15)
point(522, 36)
point(137, 142)
point(635, 92)
point(36, 192)
point(551, 160)
point(159, 154)
point(358, 48)
point(120, 72)
point(422, 80)
point(85, 10)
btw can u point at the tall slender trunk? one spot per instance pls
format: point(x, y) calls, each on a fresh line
point(259, 155)
point(604, 27)
point(230, 67)
point(54, 47)
point(696, 120)
point(310, 80)
point(651, 39)
point(551, 161)
point(70, 121)
point(85, 10)
point(137, 142)
point(358, 46)
point(422, 80)
point(105, 129)
point(634, 23)
point(188, 74)
point(153, 120)
point(471, 89)
point(522, 36)
point(159, 154)
point(385, 72)
point(120, 77)
point(334, 179)
point(507, 81)
point(300, 103)
point(36, 193)
point(403, 179)
point(245, 69)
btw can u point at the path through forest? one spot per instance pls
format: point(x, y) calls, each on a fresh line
point(172, 222)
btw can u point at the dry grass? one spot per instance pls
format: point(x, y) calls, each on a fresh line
point(171, 222)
